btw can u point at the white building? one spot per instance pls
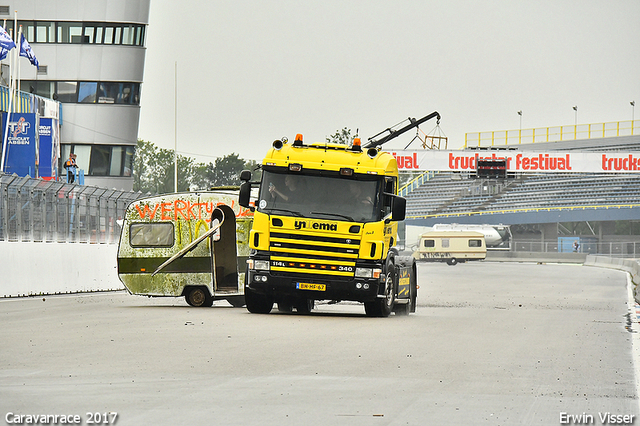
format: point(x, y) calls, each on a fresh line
point(91, 56)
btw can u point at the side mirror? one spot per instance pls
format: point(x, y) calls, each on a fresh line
point(245, 175)
point(398, 208)
point(244, 197)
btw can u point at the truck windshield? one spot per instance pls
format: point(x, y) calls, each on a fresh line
point(320, 197)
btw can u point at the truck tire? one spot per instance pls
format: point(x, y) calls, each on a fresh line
point(452, 262)
point(236, 301)
point(198, 296)
point(257, 303)
point(414, 289)
point(305, 306)
point(285, 307)
point(382, 307)
point(410, 306)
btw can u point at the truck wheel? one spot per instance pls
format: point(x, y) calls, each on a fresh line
point(285, 307)
point(236, 301)
point(257, 303)
point(414, 289)
point(453, 261)
point(382, 307)
point(305, 306)
point(198, 296)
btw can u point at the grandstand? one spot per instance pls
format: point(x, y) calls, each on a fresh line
point(539, 202)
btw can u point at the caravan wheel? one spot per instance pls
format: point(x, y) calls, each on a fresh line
point(198, 296)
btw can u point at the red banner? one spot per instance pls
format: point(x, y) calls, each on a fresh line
point(520, 161)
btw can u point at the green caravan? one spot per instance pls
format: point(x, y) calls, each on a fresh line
point(186, 244)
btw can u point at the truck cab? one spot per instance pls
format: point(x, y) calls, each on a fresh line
point(325, 224)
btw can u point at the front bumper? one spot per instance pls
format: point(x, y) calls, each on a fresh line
point(292, 286)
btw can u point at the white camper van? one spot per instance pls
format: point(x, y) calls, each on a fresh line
point(451, 246)
point(192, 244)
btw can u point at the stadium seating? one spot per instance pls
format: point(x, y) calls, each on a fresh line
point(448, 193)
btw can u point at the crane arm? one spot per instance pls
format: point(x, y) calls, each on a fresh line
point(374, 142)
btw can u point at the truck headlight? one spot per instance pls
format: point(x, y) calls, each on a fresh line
point(259, 265)
point(368, 272)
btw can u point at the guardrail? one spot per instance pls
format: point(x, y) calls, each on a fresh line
point(522, 210)
point(48, 211)
point(552, 134)
point(415, 183)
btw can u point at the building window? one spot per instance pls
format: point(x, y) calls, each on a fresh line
point(87, 92)
point(90, 92)
point(70, 32)
point(81, 32)
point(102, 160)
point(45, 32)
point(66, 91)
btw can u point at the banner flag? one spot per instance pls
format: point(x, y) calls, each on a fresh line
point(5, 40)
point(27, 52)
point(20, 156)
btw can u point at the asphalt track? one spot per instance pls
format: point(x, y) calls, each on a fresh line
point(490, 344)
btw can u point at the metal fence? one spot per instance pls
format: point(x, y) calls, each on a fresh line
point(552, 134)
point(626, 249)
point(49, 211)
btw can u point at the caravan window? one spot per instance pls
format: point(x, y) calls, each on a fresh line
point(151, 234)
point(429, 243)
point(475, 243)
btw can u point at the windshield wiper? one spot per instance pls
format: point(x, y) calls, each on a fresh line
point(349, 218)
point(295, 213)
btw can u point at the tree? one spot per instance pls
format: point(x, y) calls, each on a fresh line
point(153, 170)
point(342, 137)
point(226, 170)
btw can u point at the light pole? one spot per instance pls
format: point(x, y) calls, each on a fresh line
point(633, 114)
point(175, 128)
point(520, 114)
point(575, 108)
point(575, 126)
point(520, 132)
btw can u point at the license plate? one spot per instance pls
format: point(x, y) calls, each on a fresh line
point(310, 286)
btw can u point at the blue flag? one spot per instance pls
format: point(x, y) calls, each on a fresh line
point(27, 52)
point(5, 40)
point(3, 53)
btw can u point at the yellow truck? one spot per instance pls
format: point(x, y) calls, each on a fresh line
point(452, 247)
point(186, 244)
point(325, 226)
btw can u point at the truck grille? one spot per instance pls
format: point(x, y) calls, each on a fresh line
point(313, 254)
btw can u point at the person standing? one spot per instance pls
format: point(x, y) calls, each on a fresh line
point(71, 166)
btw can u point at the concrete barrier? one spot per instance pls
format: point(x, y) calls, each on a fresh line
point(29, 269)
point(632, 266)
point(538, 257)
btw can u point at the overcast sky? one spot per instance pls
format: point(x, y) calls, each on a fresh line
point(250, 72)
